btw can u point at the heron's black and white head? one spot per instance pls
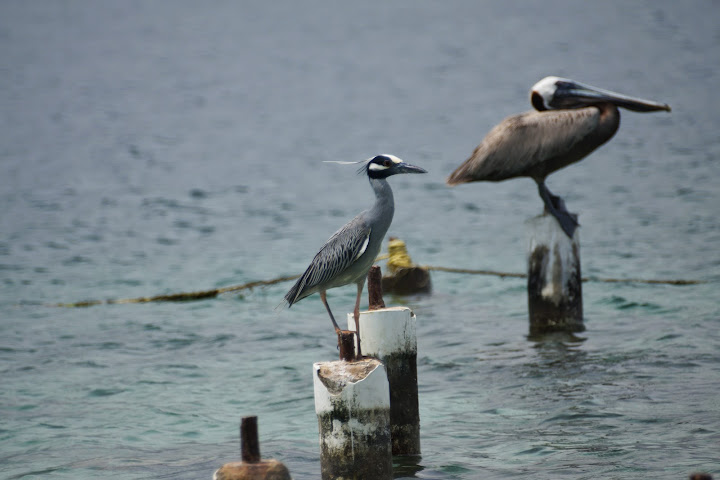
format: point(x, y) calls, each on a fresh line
point(556, 93)
point(383, 166)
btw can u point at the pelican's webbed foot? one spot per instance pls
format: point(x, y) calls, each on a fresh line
point(556, 206)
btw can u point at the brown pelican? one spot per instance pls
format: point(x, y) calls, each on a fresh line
point(571, 121)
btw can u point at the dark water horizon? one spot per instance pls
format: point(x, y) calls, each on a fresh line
point(151, 148)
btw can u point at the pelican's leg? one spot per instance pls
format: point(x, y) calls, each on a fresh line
point(556, 206)
point(356, 314)
point(327, 307)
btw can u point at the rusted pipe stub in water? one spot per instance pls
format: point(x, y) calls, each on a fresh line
point(251, 467)
point(249, 443)
point(346, 345)
point(263, 470)
point(375, 293)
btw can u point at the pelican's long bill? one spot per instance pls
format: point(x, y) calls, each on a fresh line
point(570, 92)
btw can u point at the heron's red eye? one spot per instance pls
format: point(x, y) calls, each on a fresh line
point(387, 162)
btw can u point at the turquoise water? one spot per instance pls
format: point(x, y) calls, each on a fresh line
point(159, 147)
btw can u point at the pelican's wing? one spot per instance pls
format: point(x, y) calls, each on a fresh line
point(339, 252)
point(521, 143)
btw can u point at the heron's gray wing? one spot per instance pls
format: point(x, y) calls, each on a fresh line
point(520, 143)
point(337, 255)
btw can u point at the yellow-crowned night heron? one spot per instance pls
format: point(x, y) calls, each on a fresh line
point(348, 255)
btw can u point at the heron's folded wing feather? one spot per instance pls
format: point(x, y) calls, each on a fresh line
point(337, 255)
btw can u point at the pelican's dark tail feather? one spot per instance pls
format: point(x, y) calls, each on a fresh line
point(460, 175)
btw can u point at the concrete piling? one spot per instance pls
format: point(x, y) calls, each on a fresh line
point(251, 467)
point(554, 278)
point(249, 443)
point(352, 403)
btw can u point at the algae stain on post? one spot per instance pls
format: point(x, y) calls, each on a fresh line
point(352, 403)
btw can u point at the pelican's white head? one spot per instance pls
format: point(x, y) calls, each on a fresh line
point(542, 93)
point(553, 93)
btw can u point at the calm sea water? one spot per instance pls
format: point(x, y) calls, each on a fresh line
point(161, 147)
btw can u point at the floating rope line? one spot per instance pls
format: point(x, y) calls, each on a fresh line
point(397, 258)
point(183, 297)
point(584, 279)
point(477, 272)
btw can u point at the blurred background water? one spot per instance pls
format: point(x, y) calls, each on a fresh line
point(159, 147)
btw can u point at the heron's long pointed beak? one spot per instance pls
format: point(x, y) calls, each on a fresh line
point(594, 94)
point(407, 168)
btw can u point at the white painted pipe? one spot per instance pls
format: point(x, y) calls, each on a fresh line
point(389, 334)
point(386, 331)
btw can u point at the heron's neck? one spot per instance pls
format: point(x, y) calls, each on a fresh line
point(384, 206)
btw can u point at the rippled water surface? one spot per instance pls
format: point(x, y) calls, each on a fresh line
point(151, 148)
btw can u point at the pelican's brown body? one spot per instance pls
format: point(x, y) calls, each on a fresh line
point(535, 144)
point(571, 121)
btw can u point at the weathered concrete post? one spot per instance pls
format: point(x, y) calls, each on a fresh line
point(554, 278)
point(352, 403)
point(251, 467)
point(389, 334)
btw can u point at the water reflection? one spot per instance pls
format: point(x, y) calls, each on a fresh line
point(558, 356)
point(407, 466)
point(543, 340)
